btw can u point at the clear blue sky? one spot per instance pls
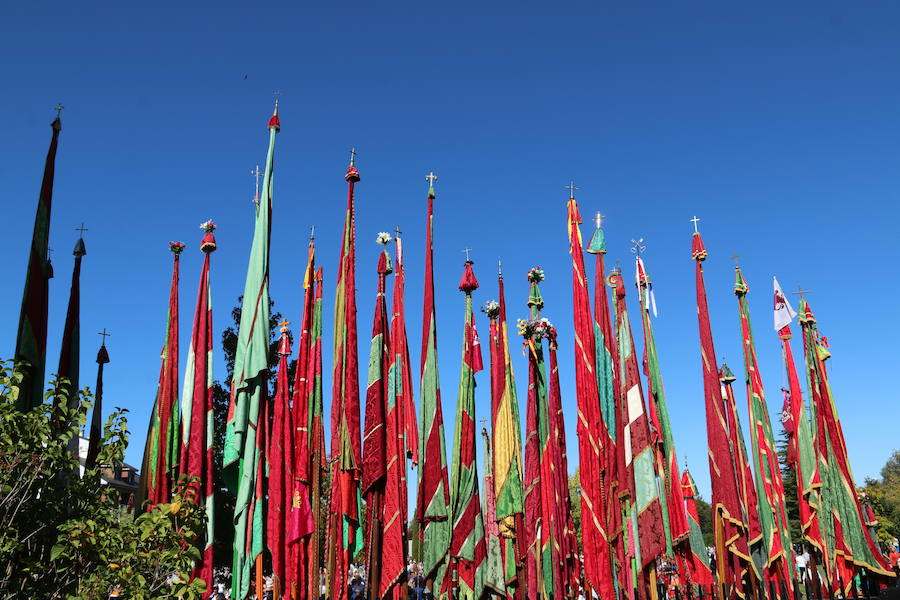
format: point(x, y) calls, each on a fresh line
point(777, 125)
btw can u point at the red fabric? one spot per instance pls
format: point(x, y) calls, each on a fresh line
point(280, 458)
point(432, 470)
point(591, 430)
point(196, 452)
point(637, 434)
point(699, 571)
point(345, 411)
point(159, 488)
point(409, 428)
point(731, 541)
point(534, 514)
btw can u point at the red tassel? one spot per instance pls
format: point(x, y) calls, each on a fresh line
point(468, 283)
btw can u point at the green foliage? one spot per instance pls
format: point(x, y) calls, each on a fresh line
point(65, 535)
point(883, 495)
point(575, 502)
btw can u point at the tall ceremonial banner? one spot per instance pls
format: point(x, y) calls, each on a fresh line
point(385, 556)
point(801, 450)
point(732, 550)
point(506, 448)
point(96, 434)
point(769, 487)
point(745, 482)
point(158, 468)
point(467, 544)
point(280, 472)
point(344, 538)
point(401, 369)
point(539, 509)
point(196, 454)
point(847, 545)
point(433, 499)
point(402, 436)
point(698, 560)
point(598, 503)
point(69, 360)
point(674, 516)
point(244, 446)
point(565, 542)
point(31, 339)
point(640, 460)
point(309, 440)
point(494, 576)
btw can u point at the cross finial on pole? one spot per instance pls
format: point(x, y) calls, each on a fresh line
point(105, 335)
point(638, 246)
point(353, 154)
point(397, 232)
point(431, 178)
point(81, 230)
point(499, 268)
point(466, 251)
point(256, 173)
point(736, 258)
point(598, 219)
point(284, 325)
point(695, 220)
point(312, 233)
point(571, 187)
point(277, 93)
point(59, 108)
point(800, 291)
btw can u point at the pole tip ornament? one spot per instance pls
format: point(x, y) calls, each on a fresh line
point(698, 250)
point(740, 284)
point(208, 244)
point(274, 121)
point(598, 240)
point(431, 178)
point(176, 248)
point(284, 343)
point(468, 283)
point(725, 375)
point(57, 123)
point(384, 260)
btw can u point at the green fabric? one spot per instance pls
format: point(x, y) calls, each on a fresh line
point(242, 455)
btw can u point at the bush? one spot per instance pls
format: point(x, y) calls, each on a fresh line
point(67, 536)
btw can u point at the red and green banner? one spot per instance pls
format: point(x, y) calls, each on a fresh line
point(594, 437)
point(31, 339)
point(69, 359)
point(745, 483)
point(643, 507)
point(539, 492)
point(433, 499)
point(467, 544)
point(280, 460)
point(159, 467)
point(196, 458)
point(565, 548)
point(344, 537)
point(384, 555)
point(847, 545)
point(401, 369)
point(309, 441)
point(697, 561)
point(779, 564)
point(244, 450)
point(730, 529)
point(795, 419)
point(675, 521)
point(506, 449)
point(494, 572)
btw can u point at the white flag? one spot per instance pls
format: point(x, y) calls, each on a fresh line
point(784, 314)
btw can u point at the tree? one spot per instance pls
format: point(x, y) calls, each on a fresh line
point(65, 535)
point(575, 501)
point(704, 513)
point(224, 498)
point(884, 498)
